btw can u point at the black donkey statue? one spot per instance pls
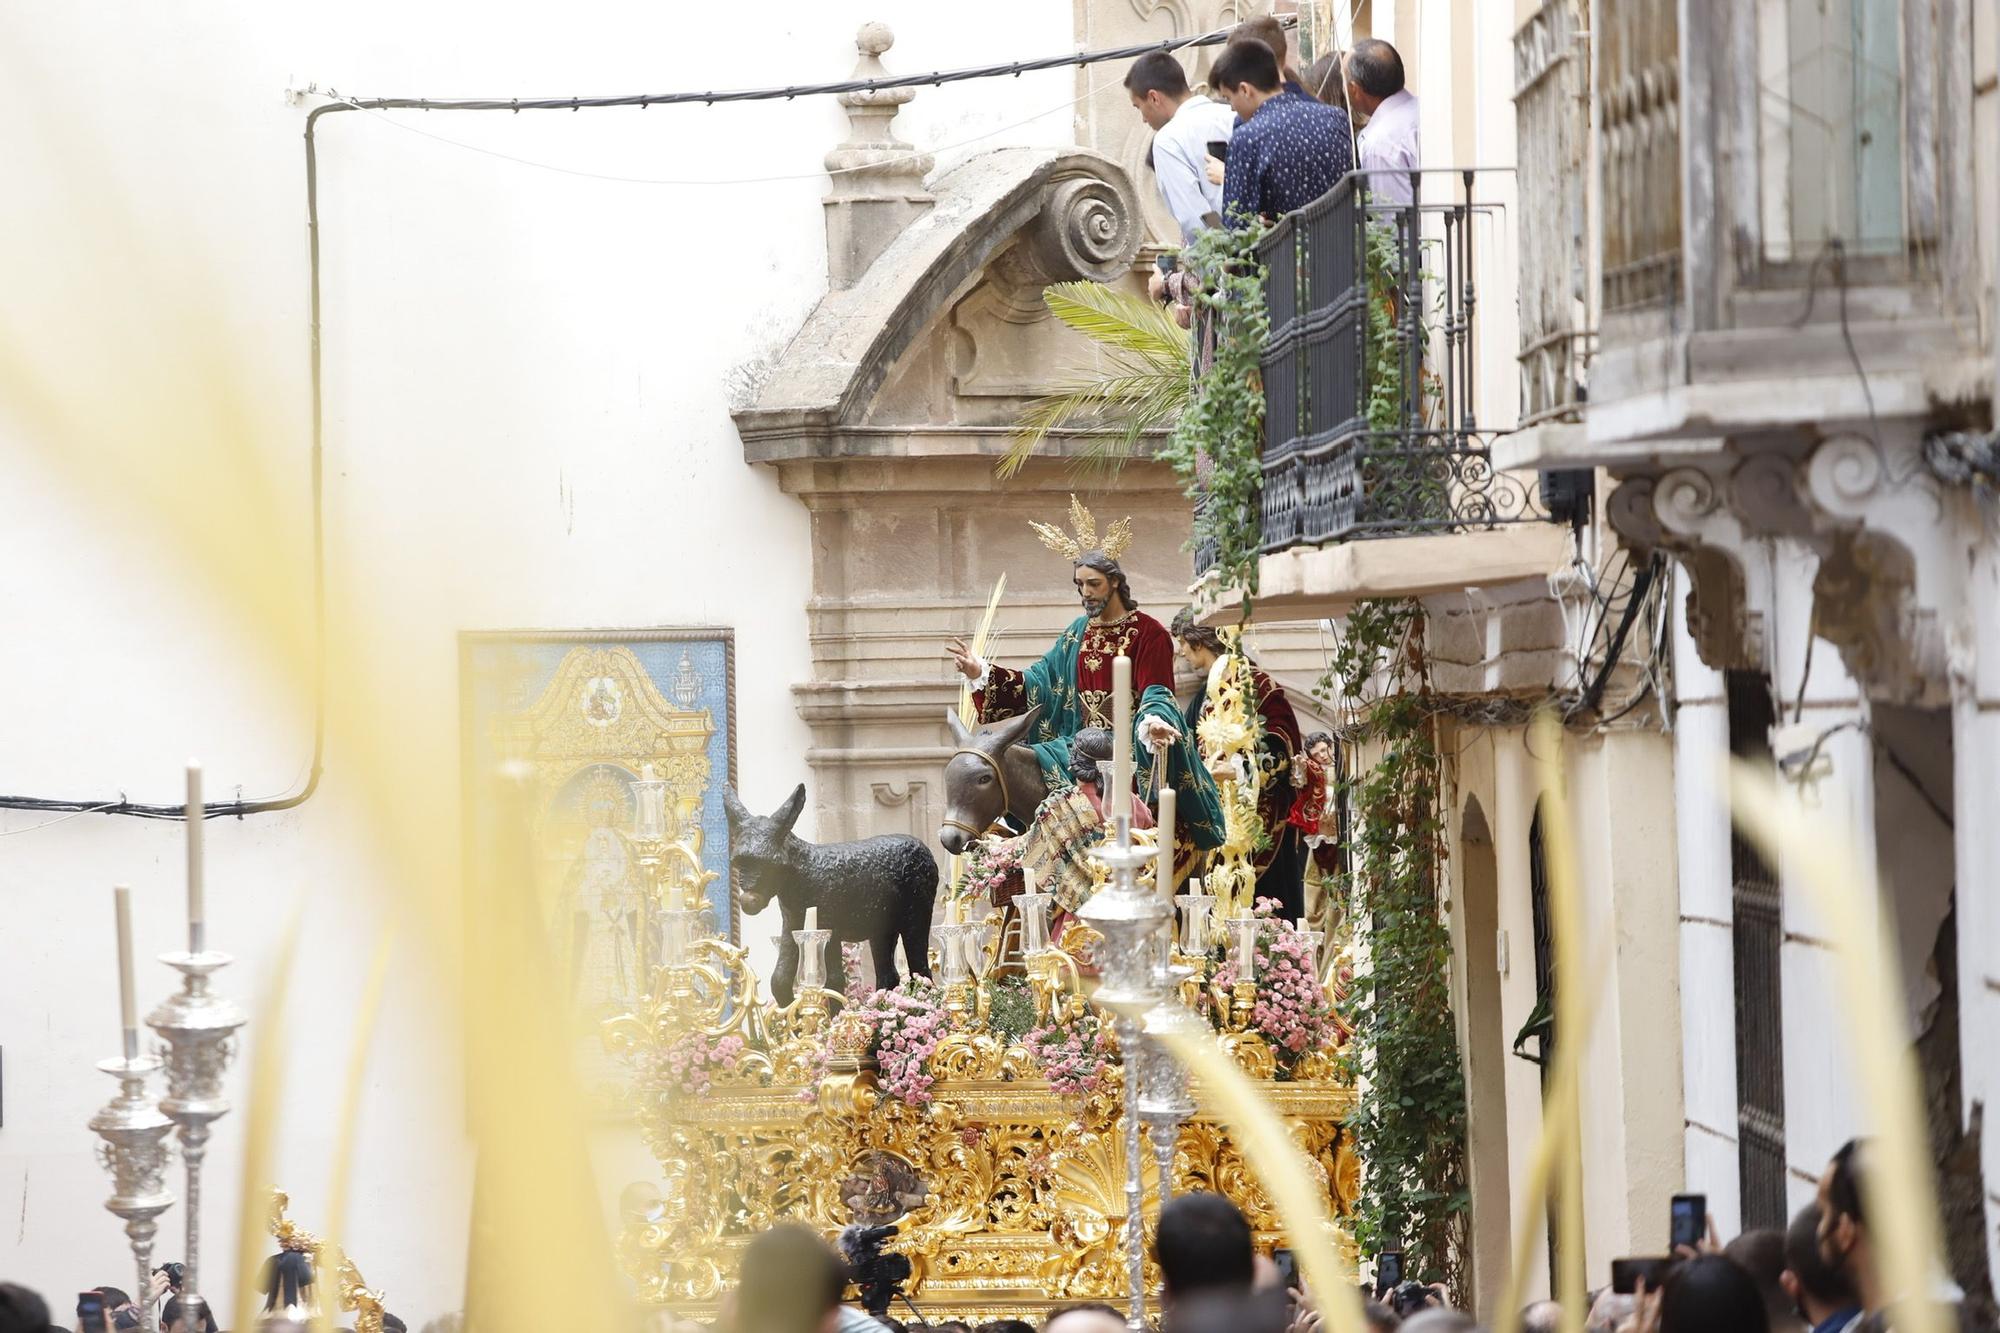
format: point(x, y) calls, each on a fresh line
point(878, 889)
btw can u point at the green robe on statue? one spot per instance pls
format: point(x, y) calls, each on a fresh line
point(1072, 683)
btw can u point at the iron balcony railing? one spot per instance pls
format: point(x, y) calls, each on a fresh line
point(1369, 374)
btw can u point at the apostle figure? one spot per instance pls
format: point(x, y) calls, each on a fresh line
point(1280, 858)
point(1072, 681)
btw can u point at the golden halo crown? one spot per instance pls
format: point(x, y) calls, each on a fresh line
point(1083, 534)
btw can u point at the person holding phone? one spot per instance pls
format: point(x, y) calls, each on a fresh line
point(1183, 122)
point(1288, 151)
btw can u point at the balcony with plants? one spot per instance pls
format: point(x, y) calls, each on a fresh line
point(1334, 432)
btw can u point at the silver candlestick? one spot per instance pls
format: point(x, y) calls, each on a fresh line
point(1165, 1101)
point(1132, 922)
point(199, 1029)
point(135, 1152)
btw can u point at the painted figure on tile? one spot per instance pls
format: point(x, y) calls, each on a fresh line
point(1071, 683)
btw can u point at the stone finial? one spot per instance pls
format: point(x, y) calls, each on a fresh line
point(878, 179)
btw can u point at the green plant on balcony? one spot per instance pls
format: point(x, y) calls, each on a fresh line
point(1217, 445)
point(1141, 387)
point(1409, 1121)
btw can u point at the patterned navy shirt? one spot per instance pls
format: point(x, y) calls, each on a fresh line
point(1286, 155)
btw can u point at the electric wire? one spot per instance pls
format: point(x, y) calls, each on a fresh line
point(935, 78)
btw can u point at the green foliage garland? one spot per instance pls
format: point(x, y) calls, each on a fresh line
point(1409, 1123)
point(1217, 447)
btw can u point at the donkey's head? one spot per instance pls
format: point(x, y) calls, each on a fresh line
point(975, 781)
point(761, 848)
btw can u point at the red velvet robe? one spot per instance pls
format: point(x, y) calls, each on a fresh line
point(1138, 636)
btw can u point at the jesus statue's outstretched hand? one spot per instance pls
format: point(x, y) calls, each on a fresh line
point(964, 659)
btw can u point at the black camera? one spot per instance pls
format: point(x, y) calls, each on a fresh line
point(176, 1274)
point(879, 1276)
point(1410, 1297)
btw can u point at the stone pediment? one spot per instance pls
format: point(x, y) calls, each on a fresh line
point(945, 329)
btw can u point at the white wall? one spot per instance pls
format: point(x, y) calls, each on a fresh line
point(528, 377)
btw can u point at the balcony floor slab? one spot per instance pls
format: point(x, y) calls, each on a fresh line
point(1311, 583)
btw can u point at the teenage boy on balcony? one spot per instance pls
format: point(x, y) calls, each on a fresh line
point(1287, 150)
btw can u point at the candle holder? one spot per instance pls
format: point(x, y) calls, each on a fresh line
point(199, 1029)
point(135, 1152)
point(1132, 922)
point(955, 979)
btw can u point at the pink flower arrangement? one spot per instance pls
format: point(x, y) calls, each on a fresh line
point(692, 1064)
point(1074, 1056)
point(909, 1022)
point(988, 867)
point(1292, 1012)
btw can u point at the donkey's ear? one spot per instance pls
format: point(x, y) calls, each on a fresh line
point(737, 811)
point(787, 814)
point(961, 735)
point(1014, 731)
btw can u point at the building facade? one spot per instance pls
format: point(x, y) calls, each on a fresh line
point(1767, 233)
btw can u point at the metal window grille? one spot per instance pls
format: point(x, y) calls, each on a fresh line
point(1758, 935)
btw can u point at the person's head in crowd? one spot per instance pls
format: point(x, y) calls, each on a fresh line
point(391, 1324)
point(1761, 1254)
point(1322, 81)
point(1374, 73)
point(1436, 1320)
point(1005, 1326)
point(1219, 1311)
point(1202, 1245)
point(953, 1326)
point(1379, 1317)
point(1157, 85)
point(1246, 74)
point(1089, 1317)
point(1817, 1289)
point(1542, 1317)
point(789, 1281)
point(1711, 1293)
point(1265, 28)
point(1843, 1224)
point(174, 1319)
point(21, 1310)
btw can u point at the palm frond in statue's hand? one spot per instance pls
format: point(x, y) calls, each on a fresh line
point(1141, 386)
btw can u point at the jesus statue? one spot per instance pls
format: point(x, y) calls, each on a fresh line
point(1072, 680)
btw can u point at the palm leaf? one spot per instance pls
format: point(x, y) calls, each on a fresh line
point(1117, 319)
point(1143, 386)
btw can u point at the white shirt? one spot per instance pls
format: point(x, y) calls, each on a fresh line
point(1388, 144)
point(1180, 151)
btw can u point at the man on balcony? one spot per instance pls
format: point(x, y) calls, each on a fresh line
point(1288, 151)
point(1388, 140)
point(1183, 124)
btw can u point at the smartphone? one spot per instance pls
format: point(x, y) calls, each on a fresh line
point(1689, 1223)
point(1388, 1270)
point(1625, 1274)
point(1218, 149)
point(1167, 263)
point(90, 1310)
point(1288, 1269)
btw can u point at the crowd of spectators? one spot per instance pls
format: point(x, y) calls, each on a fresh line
point(1271, 139)
point(1820, 1275)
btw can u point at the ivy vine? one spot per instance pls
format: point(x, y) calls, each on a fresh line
point(1217, 446)
point(1409, 1123)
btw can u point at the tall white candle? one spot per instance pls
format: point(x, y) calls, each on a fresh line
point(194, 832)
point(1164, 875)
point(812, 918)
point(128, 1009)
point(1121, 735)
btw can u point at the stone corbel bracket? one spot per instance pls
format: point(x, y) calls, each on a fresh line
point(1889, 591)
point(1731, 595)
